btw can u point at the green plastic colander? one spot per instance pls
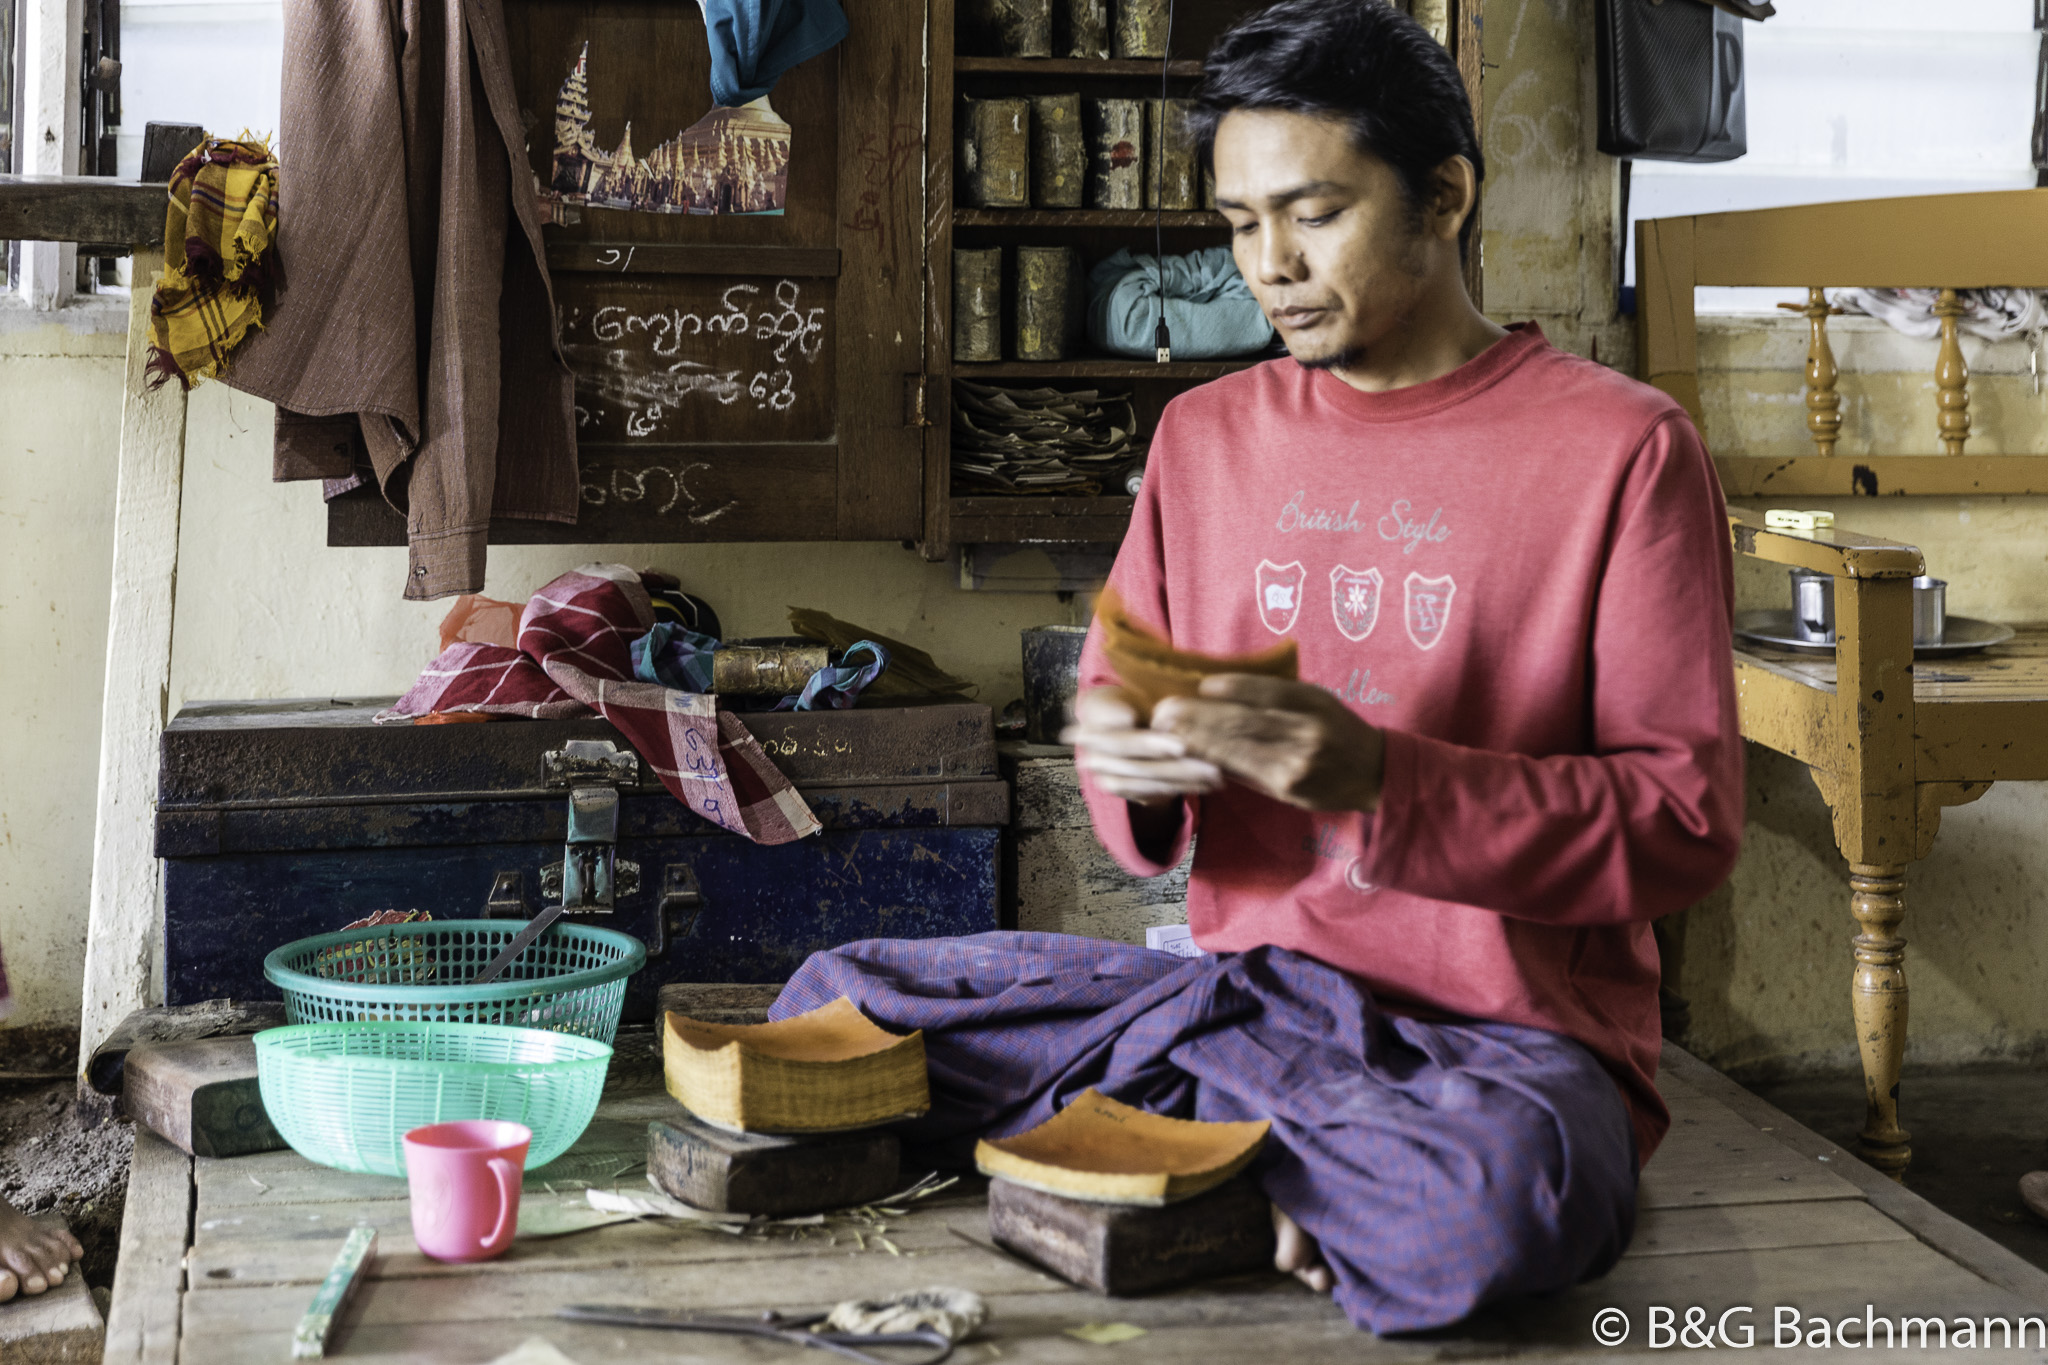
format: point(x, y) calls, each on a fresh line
point(571, 979)
point(345, 1095)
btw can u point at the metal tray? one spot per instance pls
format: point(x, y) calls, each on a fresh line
point(1776, 629)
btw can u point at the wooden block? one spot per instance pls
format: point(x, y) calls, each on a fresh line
point(176, 1024)
point(716, 1002)
point(200, 1095)
point(1115, 1249)
point(59, 1327)
point(756, 1173)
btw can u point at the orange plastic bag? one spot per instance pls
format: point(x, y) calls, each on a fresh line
point(475, 620)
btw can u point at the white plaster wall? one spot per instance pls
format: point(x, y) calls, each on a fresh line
point(265, 609)
point(58, 431)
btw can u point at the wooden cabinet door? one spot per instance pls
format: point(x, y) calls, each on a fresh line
point(741, 375)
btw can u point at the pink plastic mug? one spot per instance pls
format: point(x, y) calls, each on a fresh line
point(464, 1179)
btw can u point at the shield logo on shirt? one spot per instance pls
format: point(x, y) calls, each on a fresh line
point(1355, 601)
point(1429, 608)
point(1279, 587)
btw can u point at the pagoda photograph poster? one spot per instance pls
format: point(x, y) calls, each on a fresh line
point(733, 160)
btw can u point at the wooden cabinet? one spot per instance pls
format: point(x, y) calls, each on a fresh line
point(741, 376)
point(747, 376)
point(960, 71)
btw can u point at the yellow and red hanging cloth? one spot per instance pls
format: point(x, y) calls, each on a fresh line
point(220, 245)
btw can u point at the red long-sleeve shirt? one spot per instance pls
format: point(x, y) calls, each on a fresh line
point(1520, 571)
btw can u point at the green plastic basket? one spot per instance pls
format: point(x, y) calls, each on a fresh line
point(345, 1095)
point(572, 979)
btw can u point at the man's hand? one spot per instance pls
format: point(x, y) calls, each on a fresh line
point(1147, 767)
point(1291, 740)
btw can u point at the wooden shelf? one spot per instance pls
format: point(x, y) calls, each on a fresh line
point(1049, 520)
point(1823, 476)
point(81, 208)
point(1083, 218)
point(1072, 66)
point(1102, 367)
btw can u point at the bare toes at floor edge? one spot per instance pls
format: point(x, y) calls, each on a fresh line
point(1295, 1252)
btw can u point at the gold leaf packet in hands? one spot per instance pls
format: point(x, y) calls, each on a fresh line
point(1153, 670)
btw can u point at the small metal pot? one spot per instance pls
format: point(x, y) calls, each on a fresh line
point(1930, 610)
point(1052, 674)
point(1813, 608)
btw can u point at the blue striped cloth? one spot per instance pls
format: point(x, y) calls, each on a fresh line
point(1439, 1165)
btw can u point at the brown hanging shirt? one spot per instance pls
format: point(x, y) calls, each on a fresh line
point(414, 321)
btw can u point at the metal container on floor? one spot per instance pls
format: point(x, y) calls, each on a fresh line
point(1052, 675)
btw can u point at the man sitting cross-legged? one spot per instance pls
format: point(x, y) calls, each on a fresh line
point(1424, 873)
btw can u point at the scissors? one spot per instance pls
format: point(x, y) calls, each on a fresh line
point(771, 1324)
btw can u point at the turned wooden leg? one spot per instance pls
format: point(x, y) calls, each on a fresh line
point(1878, 997)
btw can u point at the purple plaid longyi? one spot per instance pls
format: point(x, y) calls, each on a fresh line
point(1439, 1165)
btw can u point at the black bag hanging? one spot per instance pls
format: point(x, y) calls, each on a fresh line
point(1670, 81)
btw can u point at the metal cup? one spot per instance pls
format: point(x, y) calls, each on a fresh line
point(1813, 606)
point(1930, 610)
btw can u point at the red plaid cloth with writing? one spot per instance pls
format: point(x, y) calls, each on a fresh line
point(573, 658)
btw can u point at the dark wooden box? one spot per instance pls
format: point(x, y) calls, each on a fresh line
point(282, 819)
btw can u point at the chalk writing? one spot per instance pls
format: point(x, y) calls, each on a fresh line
point(791, 327)
point(751, 347)
point(628, 486)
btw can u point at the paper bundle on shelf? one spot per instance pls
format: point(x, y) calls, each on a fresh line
point(1040, 440)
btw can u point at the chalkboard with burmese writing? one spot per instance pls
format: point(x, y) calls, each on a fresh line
point(738, 290)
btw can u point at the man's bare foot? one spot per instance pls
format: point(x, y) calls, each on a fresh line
point(33, 1258)
point(1296, 1253)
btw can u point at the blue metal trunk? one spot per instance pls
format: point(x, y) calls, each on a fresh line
point(278, 820)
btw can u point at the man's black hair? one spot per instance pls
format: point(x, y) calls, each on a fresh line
point(1362, 61)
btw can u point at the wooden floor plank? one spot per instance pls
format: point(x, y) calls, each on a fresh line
point(737, 1285)
point(610, 1146)
point(1894, 1278)
point(1733, 1212)
point(1953, 1238)
point(1758, 1227)
point(143, 1318)
point(1711, 1157)
point(304, 1258)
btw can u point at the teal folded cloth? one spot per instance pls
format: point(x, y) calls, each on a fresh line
point(1209, 308)
point(674, 656)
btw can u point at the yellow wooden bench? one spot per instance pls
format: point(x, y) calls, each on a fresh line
point(1887, 748)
